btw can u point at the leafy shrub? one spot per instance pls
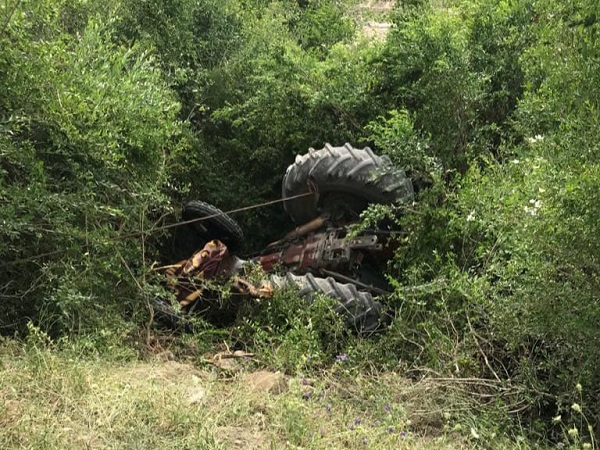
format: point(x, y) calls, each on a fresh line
point(495, 273)
point(89, 131)
point(456, 70)
point(291, 332)
point(321, 24)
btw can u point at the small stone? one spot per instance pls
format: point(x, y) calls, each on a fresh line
point(165, 356)
point(228, 364)
point(264, 381)
point(196, 395)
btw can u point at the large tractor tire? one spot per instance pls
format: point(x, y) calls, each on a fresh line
point(216, 225)
point(345, 179)
point(363, 314)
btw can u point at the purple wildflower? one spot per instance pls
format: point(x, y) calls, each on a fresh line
point(306, 395)
point(403, 434)
point(357, 421)
point(387, 408)
point(351, 427)
point(342, 357)
point(328, 409)
point(304, 381)
point(391, 430)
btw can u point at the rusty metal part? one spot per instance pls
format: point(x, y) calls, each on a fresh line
point(190, 278)
point(300, 231)
point(243, 286)
point(331, 250)
point(187, 279)
point(206, 262)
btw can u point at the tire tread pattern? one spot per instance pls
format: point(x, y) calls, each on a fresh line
point(346, 169)
point(363, 313)
point(219, 226)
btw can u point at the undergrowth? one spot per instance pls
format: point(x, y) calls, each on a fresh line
point(54, 399)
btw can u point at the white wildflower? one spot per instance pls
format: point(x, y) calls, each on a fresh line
point(531, 211)
point(471, 216)
point(537, 138)
point(533, 207)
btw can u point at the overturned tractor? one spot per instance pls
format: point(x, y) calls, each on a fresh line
point(324, 192)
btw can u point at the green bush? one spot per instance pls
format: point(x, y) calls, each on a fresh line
point(292, 333)
point(456, 70)
point(495, 275)
point(321, 24)
point(89, 132)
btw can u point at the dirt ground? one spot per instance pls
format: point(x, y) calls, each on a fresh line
point(375, 25)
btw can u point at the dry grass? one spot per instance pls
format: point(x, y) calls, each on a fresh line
point(49, 400)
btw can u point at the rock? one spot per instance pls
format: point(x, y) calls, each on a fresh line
point(228, 364)
point(165, 356)
point(266, 382)
point(196, 395)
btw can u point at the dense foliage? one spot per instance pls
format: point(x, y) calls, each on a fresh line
point(113, 113)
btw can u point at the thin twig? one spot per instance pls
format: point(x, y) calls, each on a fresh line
point(485, 358)
point(466, 380)
point(129, 270)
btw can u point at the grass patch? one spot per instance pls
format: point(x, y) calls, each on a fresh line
point(53, 400)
